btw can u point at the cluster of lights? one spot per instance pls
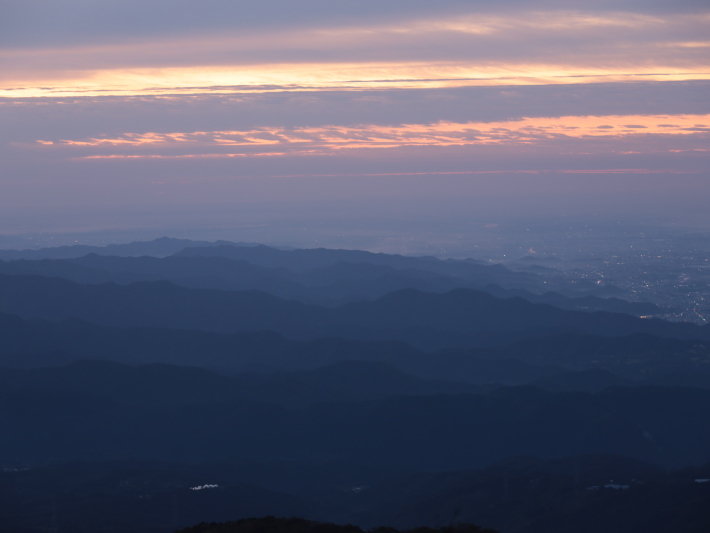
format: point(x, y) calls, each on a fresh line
point(203, 487)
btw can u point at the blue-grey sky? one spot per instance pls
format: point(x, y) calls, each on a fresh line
point(295, 110)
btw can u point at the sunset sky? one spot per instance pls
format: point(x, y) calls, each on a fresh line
point(162, 113)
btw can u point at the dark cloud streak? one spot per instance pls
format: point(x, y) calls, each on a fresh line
point(71, 22)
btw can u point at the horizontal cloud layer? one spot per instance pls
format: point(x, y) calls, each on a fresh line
point(56, 22)
point(526, 48)
point(304, 140)
point(127, 102)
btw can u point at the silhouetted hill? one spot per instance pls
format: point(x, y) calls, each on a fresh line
point(463, 312)
point(158, 247)
point(527, 495)
point(302, 260)
point(634, 356)
point(265, 256)
point(270, 524)
point(32, 343)
point(592, 380)
point(135, 497)
point(332, 285)
point(174, 385)
point(580, 303)
point(466, 270)
point(641, 358)
point(428, 320)
point(311, 409)
point(518, 495)
point(662, 425)
point(156, 304)
point(215, 273)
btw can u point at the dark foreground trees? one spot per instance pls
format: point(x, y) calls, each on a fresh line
point(271, 524)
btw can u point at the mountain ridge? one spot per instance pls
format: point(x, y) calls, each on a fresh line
point(423, 319)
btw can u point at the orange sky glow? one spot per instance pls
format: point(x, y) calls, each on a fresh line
point(100, 101)
point(322, 140)
point(471, 50)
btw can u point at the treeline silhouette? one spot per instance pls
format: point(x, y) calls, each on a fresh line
point(271, 524)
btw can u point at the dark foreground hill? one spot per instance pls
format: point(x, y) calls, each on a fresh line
point(526, 495)
point(520, 495)
point(271, 524)
point(43, 421)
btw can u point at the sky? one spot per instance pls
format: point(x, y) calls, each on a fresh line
point(315, 113)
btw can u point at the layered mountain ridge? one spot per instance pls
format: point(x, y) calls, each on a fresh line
point(227, 379)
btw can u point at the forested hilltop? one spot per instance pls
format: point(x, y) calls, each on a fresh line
point(296, 525)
